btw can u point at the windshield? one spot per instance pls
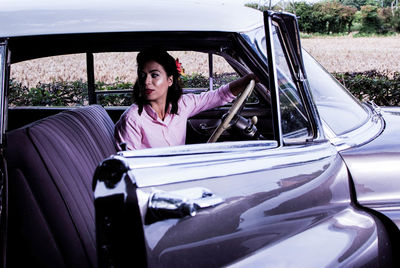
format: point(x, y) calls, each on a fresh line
point(333, 101)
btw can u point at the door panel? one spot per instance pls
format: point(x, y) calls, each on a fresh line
point(271, 196)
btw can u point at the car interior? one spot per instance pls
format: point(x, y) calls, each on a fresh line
point(52, 152)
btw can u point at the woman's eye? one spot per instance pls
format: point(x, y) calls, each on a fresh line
point(154, 75)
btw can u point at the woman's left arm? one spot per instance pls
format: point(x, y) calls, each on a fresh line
point(237, 86)
point(195, 104)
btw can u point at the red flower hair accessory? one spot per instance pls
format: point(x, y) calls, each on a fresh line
point(179, 67)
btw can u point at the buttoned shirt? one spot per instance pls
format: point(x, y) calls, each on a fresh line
point(147, 130)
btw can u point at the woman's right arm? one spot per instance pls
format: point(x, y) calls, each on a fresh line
point(126, 132)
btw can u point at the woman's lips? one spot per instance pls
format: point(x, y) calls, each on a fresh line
point(148, 91)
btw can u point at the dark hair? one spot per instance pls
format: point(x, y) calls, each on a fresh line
point(168, 63)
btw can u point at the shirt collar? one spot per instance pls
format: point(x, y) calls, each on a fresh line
point(150, 111)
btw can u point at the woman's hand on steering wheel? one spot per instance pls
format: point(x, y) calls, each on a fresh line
point(236, 106)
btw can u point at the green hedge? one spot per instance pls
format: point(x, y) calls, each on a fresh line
point(48, 94)
point(74, 93)
point(332, 16)
point(383, 89)
point(200, 81)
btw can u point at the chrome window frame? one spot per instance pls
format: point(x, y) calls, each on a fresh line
point(273, 78)
point(3, 88)
point(295, 83)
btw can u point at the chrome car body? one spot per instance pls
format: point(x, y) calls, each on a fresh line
point(320, 190)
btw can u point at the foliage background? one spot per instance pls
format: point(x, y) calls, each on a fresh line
point(343, 16)
point(383, 89)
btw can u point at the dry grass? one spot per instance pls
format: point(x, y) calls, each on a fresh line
point(109, 67)
point(348, 54)
point(338, 54)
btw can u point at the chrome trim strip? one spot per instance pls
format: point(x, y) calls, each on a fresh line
point(273, 76)
point(3, 66)
point(391, 110)
point(202, 148)
point(153, 167)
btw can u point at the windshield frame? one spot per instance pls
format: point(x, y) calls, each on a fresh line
point(256, 39)
point(3, 86)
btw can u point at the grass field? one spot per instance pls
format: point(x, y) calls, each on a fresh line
point(347, 54)
point(336, 54)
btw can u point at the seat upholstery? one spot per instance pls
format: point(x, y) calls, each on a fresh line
point(51, 163)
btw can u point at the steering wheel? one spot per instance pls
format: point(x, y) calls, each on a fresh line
point(232, 112)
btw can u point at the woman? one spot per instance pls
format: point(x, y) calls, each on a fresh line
point(159, 115)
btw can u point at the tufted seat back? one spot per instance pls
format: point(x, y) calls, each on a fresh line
point(51, 163)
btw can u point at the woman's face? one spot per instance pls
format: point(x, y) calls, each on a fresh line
point(156, 81)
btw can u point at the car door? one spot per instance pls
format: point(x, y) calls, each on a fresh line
point(242, 203)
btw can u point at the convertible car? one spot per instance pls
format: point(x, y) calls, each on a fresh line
point(295, 172)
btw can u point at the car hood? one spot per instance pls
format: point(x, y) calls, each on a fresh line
point(375, 168)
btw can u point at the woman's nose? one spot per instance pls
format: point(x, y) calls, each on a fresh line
point(147, 79)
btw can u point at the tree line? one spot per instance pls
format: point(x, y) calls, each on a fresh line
point(343, 16)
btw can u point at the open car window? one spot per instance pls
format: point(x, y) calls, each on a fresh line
point(62, 82)
point(116, 73)
point(50, 81)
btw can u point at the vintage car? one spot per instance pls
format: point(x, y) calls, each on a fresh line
point(299, 174)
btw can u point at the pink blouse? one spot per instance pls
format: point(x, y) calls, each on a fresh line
point(148, 130)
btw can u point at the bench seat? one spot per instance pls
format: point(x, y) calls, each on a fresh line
point(51, 162)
